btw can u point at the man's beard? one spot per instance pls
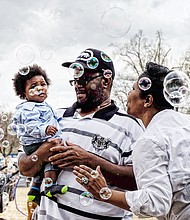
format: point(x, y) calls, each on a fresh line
point(93, 100)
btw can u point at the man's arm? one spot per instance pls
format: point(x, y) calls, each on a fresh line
point(30, 165)
point(73, 155)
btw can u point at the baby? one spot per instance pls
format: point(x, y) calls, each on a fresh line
point(35, 122)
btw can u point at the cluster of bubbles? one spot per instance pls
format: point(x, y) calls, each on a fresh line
point(12, 129)
point(26, 54)
point(176, 88)
point(37, 90)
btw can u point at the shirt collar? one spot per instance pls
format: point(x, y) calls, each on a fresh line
point(105, 113)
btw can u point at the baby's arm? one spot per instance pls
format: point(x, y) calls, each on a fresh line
point(51, 130)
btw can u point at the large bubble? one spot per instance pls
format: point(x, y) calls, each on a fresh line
point(115, 22)
point(25, 54)
point(176, 88)
point(86, 198)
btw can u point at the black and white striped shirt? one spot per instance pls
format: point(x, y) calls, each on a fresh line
point(108, 133)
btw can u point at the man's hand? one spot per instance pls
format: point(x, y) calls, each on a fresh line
point(69, 155)
point(29, 167)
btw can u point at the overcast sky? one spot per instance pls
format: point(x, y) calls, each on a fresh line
point(50, 32)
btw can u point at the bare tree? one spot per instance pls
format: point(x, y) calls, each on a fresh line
point(134, 54)
point(9, 142)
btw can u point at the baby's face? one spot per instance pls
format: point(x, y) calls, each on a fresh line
point(36, 89)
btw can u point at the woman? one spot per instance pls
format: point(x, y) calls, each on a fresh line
point(161, 156)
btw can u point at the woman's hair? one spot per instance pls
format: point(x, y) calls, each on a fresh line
point(156, 73)
point(19, 80)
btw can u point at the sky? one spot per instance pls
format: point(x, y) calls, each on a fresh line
point(50, 32)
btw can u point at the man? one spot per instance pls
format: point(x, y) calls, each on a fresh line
point(95, 132)
point(160, 156)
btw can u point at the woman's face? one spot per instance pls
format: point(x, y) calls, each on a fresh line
point(135, 104)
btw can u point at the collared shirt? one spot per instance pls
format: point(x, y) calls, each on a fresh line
point(108, 133)
point(161, 158)
point(32, 119)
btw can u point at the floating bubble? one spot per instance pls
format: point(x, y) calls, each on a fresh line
point(21, 128)
point(47, 11)
point(46, 54)
point(5, 144)
point(4, 117)
point(38, 90)
point(30, 204)
point(78, 28)
point(59, 12)
point(76, 70)
point(94, 174)
point(144, 83)
point(34, 158)
point(57, 39)
point(25, 54)
point(32, 210)
point(1, 133)
point(92, 63)
point(93, 86)
point(176, 88)
point(86, 198)
point(48, 182)
point(12, 129)
point(70, 41)
point(24, 70)
point(31, 92)
point(105, 193)
point(115, 22)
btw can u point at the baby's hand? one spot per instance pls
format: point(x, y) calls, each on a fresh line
point(51, 130)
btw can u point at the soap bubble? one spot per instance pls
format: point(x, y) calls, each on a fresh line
point(34, 158)
point(46, 54)
point(25, 54)
point(176, 88)
point(144, 83)
point(86, 199)
point(12, 129)
point(76, 70)
point(4, 117)
point(105, 193)
point(24, 70)
point(48, 182)
point(115, 22)
point(94, 174)
point(5, 143)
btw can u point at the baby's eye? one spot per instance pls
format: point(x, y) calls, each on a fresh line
point(43, 84)
point(32, 87)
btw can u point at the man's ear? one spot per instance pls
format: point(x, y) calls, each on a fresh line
point(148, 101)
point(106, 81)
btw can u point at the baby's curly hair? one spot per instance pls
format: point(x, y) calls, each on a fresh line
point(19, 80)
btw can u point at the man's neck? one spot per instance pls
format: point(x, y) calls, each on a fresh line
point(104, 104)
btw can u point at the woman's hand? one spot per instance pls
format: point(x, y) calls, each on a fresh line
point(92, 180)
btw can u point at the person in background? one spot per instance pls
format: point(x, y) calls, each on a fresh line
point(35, 121)
point(97, 132)
point(161, 156)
